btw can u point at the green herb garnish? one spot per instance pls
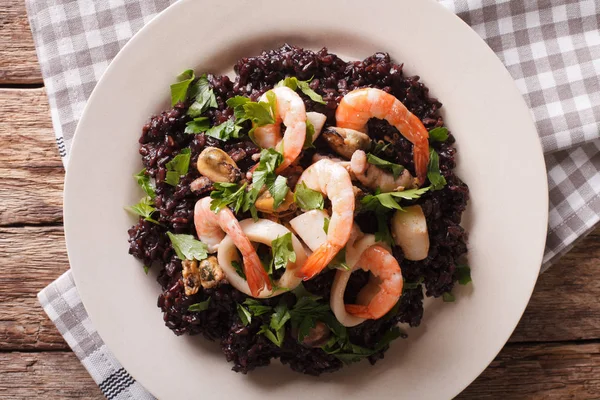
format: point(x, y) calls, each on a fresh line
point(256, 307)
point(244, 314)
point(383, 231)
point(308, 199)
point(225, 131)
point(187, 247)
point(264, 174)
point(305, 314)
point(283, 251)
point(378, 202)
point(179, 90)
point(238, 268)
point(275, 330)
point(294, 83)
point(197, 125)
point(202, 306)
point(228, 194)
point(278, 190)
point(147, 186)
point(438, 134)
point(204, 97)
point(310, 133)
point(463, 274)
point(146, 269)
point(448, 297)
point(380, 147)
point(326, 225)
point(395, 169)
point(178, 166)
point(145, 208)
point(433, 171)
point(413, 285)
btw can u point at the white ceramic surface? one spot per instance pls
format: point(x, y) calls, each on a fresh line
point(499, 157)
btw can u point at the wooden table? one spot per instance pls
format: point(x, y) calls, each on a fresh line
point(554, 352)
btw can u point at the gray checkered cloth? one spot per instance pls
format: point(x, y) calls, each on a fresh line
point(550, 47)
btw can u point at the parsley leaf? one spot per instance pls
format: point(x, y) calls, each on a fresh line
point(146, 269)
point(187, 247)
point(263, 112)
point(412, 285)
point(279, 190)
point(237, 103)
point(143, 179)
point(433, 171)
point(179, 90)
point(244, 314)
point(305, 314)
point(228, 194)
point(380, 147)
point(197, 125)
point(238, 268)
point(145, 208)
point(383, 231)
point(308, 139)
point(202, 306)
point(438, 134)
point(275, 331)
point(348, 352)
point(339, 261)
point(178, 166)
point(264, 174)
point(283, 251)
point(256, 307)
point(463, 274)
point(308, 199)
point(294, 83)
point(205, 97)
point(326, 225)
point(378, 202)
point(225, 131)
point(395, 169)
point(448, 297)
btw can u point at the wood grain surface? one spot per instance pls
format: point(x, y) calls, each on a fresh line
point(553, 354)
point(18, 60)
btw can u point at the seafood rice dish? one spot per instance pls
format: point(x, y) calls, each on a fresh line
point(300, 210)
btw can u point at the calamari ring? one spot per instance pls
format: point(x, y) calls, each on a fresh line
point(262, 231)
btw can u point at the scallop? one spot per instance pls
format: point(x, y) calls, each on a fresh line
point(409, 230)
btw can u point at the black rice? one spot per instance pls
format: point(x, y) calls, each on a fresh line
point(163, 137)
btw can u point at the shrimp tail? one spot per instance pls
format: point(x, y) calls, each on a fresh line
point(421, 158)
point(318, 261)
point(359, 311)
point(256, 277)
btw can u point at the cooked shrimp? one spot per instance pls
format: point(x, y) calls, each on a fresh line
point(385, 285)
point(333, 181)
point(358, 106)
point(289, 110)
point(211, 229)
point(374, 177)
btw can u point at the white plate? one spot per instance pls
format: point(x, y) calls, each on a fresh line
point(500, 159)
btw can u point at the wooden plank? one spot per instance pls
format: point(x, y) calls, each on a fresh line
point(32, 257)
point(51, 375)
point(541, 371)
point(31, 172)
point(565, 305)
point(18, 60)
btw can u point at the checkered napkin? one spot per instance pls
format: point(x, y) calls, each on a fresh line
point(550, 47)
